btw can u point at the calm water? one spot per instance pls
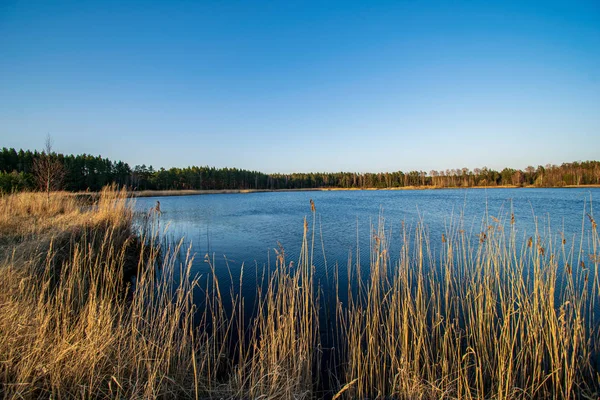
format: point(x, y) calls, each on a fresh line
point(245, 228)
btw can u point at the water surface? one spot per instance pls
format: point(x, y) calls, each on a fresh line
point(246, 228)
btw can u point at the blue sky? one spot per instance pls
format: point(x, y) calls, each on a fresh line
point(282, 86)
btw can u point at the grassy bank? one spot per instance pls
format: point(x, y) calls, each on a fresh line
point(69, 325)
point(73, 325)
point(486, 315)
point(158, 193)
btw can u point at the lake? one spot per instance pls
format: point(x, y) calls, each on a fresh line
point(244, 229)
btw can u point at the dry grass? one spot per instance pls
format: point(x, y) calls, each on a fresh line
point(24, 215)
point(280, 360)
point(72, 329)
point(484, 316)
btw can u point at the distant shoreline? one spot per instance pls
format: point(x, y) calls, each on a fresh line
point(167, 193)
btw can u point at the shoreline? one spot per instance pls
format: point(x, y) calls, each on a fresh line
point(169, 193)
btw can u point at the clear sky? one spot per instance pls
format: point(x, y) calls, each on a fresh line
point(283, 86)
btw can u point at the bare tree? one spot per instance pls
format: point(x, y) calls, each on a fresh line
point(48, 171)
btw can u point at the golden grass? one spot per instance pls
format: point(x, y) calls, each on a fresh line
point(281, 356)
point(484, 316)
point(26, 214)
point(73, 329)
point(71, 326)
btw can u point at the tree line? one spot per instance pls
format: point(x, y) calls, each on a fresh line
point(19, 170)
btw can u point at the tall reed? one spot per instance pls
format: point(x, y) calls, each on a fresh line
point(488, 316)
point(75, 328)
point(280, 358)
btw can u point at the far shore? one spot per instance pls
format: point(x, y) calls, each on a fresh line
point(161, 193)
